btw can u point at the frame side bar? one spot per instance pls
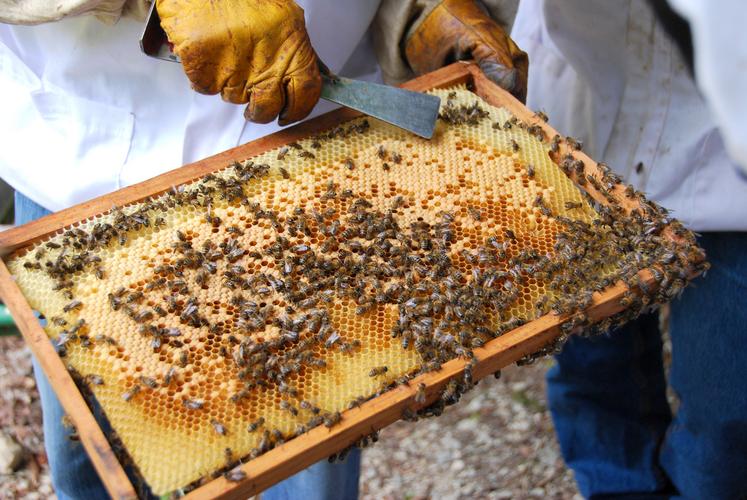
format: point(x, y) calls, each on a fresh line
point(108, 467)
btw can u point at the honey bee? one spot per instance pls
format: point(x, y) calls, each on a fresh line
point(265, 443)
point(58, 321)
point(364, 308)
point(74, 305)
point(219, 428)
point(282, 153)
point(409, 415)
point(253, 426)
point(284, 173)
point(555, 144)
point(332, 339)
point(127, 396)
point(99, 272)
point(148, 382)
point(135, 297)
point(330, 419)
point(349, 164)
point(277, 436)
point(306, 405)
point(285, 405)
point(142, 316)
point(94, 379)
point(235, 475)
point(315, 421)
point(420, 394)
point(378, 370)
point(475, 214)
point(349, 347)
point(170, 375)
point(573, 143)
point(156, 283)
point(193, 404)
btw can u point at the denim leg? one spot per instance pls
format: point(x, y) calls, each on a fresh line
point(705, 451)
point(607, 396)
point(73, 475)
point(321, 481)
point(27, 210)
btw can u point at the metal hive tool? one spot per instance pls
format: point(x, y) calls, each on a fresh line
point(222, 318)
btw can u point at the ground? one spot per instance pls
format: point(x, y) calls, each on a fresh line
point(498, 442)
point(20, 417)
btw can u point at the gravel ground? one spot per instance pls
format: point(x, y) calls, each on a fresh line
point(497, 442)
point(20, 418)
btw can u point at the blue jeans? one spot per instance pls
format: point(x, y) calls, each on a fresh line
point(608, 402)
point(74, 477)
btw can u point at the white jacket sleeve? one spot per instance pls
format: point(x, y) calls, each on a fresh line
point(720, 47)
point(46, 11)
point(61, 148)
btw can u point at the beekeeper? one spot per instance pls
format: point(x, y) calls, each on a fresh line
point(86, 113)
point(615, 74)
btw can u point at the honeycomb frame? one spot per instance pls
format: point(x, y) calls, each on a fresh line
point(372, 415)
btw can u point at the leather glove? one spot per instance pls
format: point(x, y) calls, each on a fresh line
point(460, 29)
point(249, 51)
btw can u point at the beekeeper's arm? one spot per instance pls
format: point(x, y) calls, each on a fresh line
point(46, 11)
point(720, 49)
point(416, 36)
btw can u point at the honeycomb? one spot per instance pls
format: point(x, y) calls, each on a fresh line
point(230, 314)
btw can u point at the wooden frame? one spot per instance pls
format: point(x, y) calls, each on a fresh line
point(320, 442)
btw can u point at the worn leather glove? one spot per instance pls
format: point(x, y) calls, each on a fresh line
point(251, 51)
point(460, 29)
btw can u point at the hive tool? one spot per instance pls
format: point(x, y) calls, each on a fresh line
point(412, 111)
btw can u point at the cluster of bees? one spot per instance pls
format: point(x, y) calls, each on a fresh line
point(371, 258)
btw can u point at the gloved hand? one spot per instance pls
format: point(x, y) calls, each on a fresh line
point(255, 51)
point(459, 29)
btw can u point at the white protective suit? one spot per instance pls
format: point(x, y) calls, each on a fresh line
point(606, 72)
point(84, 112)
